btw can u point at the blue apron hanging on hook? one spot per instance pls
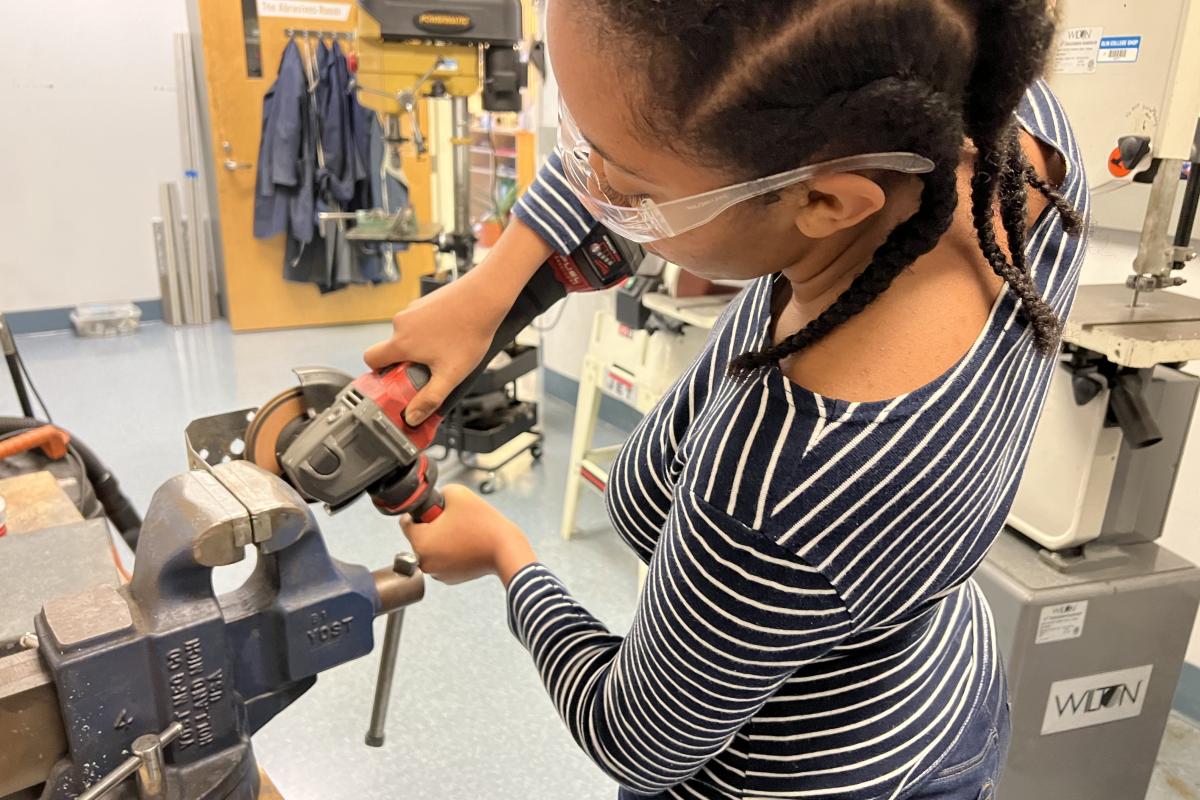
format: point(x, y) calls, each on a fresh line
point(283, 196)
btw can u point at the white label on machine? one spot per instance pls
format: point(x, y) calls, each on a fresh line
point(1120, 49)
point(619, 386)
point(1078, 51)
point(1096, 699)
point(1062, 622)
point(303, 9)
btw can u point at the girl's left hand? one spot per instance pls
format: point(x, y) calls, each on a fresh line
point(470, 540)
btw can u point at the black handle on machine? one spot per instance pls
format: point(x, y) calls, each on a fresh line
point(414, 493)
point(602, 261)
point(538, 297)
point(1131, 412)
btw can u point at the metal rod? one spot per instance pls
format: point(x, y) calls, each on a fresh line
point(387, 674)
point(406, 98)
point(8, 346)
point(1155, 254)
point(1187, 217)
point(168, 194)
point(168, 281)
point(112, 780)
point(187, 256)
point(438, 63)
point(128, 767)
point(18, 381)
point(462, 181)
point(358, 87)
point(193, 159)
point(151, 774)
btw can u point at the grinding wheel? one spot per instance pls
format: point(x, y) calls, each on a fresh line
point(279, 415)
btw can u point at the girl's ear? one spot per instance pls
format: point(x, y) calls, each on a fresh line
point(838, 202)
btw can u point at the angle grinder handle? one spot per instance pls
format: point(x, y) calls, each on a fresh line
point(414, 493)
point(431, 505)
point(603, 260)
point(538, 297)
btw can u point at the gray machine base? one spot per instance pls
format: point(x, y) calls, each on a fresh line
point(1136, 623)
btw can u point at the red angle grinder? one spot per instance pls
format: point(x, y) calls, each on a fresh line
point(334, 438)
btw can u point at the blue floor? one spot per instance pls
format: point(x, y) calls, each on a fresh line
point(469, 717)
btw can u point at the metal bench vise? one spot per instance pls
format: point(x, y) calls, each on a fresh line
point(164, 657)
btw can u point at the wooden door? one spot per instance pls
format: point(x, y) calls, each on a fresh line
point(257, 295)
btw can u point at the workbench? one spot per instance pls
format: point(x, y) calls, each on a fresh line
point(36, 501)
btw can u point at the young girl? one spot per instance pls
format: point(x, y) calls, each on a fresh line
point(814, 494)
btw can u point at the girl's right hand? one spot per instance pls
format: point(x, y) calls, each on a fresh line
point(448, 331)
point(451, 330)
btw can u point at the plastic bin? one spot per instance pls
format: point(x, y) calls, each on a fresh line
point(106, 319)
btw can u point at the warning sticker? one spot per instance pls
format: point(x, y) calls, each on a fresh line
point(1078, 51)
point(1120, 49)
point(1062, 622)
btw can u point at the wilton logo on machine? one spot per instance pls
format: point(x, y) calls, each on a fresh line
point(1096, 699)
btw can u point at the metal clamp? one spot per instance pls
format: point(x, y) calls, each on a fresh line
point(1153, 283)
point(146, 762)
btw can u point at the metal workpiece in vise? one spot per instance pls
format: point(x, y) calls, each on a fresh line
point(164, 657)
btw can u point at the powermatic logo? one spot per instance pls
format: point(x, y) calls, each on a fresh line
point(1096, 699)
point(444, 22)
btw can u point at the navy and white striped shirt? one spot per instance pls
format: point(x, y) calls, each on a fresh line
point(809, 626)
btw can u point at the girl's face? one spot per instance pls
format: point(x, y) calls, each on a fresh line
point(752, 239)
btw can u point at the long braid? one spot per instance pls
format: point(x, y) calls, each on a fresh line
point(925, 76)
point(1072, 220)
point(1016, 33)
point(985, 183)
point(1014, 203)
point(909, 241)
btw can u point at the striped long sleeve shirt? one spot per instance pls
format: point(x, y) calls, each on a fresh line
point(809, 627)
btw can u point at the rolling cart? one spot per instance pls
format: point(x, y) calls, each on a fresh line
point(491, 416)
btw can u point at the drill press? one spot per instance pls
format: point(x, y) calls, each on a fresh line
point(409, 50)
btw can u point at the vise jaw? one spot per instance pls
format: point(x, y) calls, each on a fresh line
point(164, 649)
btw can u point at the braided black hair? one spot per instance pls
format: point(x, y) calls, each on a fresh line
point(1013, 39)
point(912, 239)
point(902, 75)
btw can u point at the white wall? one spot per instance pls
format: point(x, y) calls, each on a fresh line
point(564, 347)
point(89, 130)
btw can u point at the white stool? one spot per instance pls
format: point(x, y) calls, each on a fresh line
point(636, 368)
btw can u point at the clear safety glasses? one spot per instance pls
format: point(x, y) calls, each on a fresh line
point(644, 220)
